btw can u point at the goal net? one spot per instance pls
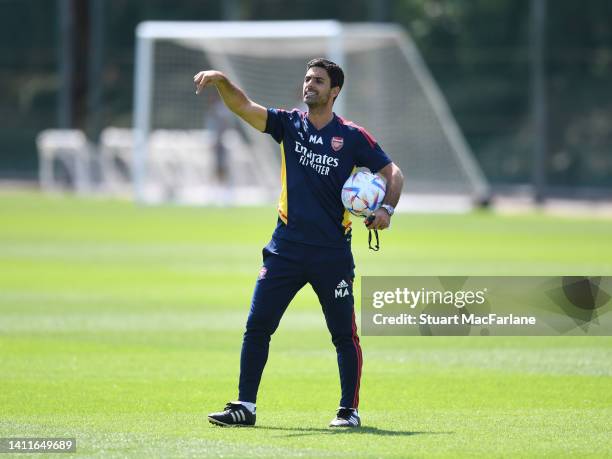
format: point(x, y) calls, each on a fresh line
point(388, 89)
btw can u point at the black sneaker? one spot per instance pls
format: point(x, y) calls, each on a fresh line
point(346, 417)
point(234, 415)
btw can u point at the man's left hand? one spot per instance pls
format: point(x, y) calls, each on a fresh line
point(382, 220)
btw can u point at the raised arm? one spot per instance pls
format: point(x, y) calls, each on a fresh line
point(234, 98)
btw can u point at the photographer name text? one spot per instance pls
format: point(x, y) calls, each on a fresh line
point(455, 319)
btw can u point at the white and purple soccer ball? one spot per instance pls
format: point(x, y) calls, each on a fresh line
point(363, 193)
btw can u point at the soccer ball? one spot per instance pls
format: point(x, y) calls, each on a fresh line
point(363, 193)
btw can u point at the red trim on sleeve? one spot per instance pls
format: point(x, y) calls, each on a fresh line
point(369, 137)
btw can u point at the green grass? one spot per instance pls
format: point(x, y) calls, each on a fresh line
point(121, 326)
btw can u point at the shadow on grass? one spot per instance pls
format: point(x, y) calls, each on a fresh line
point(302, 431)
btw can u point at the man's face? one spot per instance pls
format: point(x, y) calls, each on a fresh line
point(317, 89)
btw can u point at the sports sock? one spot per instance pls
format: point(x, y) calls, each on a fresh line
point(248, 405)
point(354, 410)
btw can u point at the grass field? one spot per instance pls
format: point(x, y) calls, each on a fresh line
point(121, 326)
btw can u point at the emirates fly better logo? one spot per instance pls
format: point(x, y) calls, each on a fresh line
point(320, 163)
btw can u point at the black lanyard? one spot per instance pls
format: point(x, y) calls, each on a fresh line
point(376, 246)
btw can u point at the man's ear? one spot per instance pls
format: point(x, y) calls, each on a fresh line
point(335, 91)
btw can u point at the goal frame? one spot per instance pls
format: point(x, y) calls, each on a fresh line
point(333, 31)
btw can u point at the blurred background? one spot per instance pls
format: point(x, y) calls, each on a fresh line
point(527, 82)
point(121, 324)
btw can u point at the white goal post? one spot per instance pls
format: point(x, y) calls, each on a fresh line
point(388, 90)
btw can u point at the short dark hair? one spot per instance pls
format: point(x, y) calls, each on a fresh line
point(336, 75)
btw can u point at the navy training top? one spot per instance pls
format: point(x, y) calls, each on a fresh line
point(314, 166)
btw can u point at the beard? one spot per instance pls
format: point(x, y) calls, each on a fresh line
point(319, 100)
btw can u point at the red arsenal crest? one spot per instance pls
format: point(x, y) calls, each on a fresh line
point(337, 143)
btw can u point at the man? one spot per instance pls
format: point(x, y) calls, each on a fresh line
point(311, 243)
